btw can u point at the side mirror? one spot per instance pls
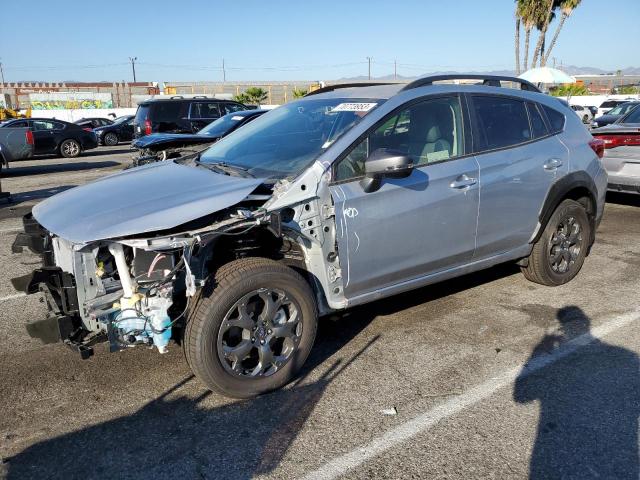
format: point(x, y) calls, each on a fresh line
point(385, 162)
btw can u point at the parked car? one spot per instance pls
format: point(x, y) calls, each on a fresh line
point(583, 113)
point(180, 115)
point(55, 136)
point(614, 114)
point(608, 105)
point(622, 151)
point(121, 130)
point(160, 146)
point(345, 196)
point(92, 123)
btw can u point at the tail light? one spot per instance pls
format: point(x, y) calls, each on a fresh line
point(29, 137)
point(625, 139)
point(87, 129)
point(597, 145)
point(147, 127)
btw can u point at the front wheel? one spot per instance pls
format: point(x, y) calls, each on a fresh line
point(560, 251)
point(252, 328)
point(70, 149)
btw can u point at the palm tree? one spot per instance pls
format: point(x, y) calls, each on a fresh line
point(566, 7)
point(524, 13)
point(299, 93)
point(517, 43)
point(543, 16)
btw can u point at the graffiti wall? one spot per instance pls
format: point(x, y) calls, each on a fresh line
point(70, 100)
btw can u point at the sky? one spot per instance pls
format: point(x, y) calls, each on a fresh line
point(287, 40)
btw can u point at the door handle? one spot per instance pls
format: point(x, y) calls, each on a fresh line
point(552, 164)
point(462, 182)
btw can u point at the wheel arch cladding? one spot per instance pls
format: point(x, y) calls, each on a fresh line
point(578, 186)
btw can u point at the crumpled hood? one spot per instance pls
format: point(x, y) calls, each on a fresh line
point(141, 200)
point(171, 138)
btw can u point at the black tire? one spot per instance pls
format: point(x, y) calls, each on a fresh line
point(210, 321)
point(70, 148)
point(110, 139)
point(585, 119)
point(556, 257)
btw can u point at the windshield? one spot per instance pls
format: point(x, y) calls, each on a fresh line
point(283, 142)
point(220, 127)
point(632, 117)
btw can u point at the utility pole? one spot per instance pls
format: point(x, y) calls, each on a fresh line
point(133, 67)
point(395, 69)
point(2, 74)
point(369, 59)
point(224, 72)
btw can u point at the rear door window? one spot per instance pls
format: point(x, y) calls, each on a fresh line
point(166, 111)
point(538, 127)
point(40, 125)
point(502, 122)
point(204, 110)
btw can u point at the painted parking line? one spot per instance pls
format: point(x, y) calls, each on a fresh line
point(342, 464)
point(11, 297)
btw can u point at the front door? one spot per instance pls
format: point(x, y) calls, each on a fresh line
point(414, 226)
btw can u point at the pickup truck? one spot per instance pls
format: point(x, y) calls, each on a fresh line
point(15, 144)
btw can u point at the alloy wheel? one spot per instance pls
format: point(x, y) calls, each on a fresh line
point(565, 245)
point(71, 149)
point(259, 333)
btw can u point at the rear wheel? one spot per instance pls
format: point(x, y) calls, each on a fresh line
point(70, 148)
point(585, 119)
point(252, 329)
point(111, 139)
point(560, 251)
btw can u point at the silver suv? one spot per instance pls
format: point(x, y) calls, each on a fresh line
point(351, 194)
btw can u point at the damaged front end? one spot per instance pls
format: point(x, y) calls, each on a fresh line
point(139, 289)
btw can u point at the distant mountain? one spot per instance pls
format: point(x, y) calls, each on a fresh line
point(570, 69)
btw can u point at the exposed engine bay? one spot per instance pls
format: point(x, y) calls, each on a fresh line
point(138, 290)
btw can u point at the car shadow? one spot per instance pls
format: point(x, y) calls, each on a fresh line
point(588, 420)
point(23, 197)
point(17, 171)
point(619, 198)
point(123, 148)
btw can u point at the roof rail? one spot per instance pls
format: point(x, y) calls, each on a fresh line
point(487, 80)
point(331, 88)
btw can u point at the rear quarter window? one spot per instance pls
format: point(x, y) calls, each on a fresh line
point(538, 127)
point(141, 113)
point(556, 119)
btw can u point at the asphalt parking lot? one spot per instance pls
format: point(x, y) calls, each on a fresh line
point(485, 376)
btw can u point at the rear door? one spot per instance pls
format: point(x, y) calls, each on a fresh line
point(519, 158)
point(413, 226)
point(44, 136)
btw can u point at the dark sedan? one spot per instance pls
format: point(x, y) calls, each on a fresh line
point(120, 130)
point(53, 136)
point(614, 114)
point(160, 146)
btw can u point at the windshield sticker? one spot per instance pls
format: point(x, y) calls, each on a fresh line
point(354, 107)
point(237, 117)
